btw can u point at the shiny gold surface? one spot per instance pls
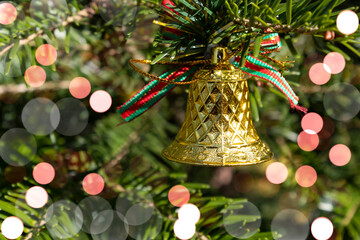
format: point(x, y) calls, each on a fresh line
point(218, 130)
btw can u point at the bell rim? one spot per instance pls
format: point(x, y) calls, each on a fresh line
point(214, 164)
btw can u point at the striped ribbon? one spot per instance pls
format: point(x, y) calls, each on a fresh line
point(156, 90)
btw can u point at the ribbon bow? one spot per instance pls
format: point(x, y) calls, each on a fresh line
point(182, 72)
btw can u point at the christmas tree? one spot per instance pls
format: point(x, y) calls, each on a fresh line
point(71, 167)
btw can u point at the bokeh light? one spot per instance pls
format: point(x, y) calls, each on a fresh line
point(44, 173)
point(266, 189)
point(347, 22)
point(74, 117)
point(178, 195)
point(91, 208)
point(40, 116)
point(36, 197)
point(115, 229)
point(17, 147)
point(8, 13)
point(335, 61)
point(93, 184)
point(46, 54)
point(312, 123)
point(54, 11)
point(243, 182)
point(340, 155)
point(319, 73)
point(342, 101)
point(189, 212)
point(117, 12)
point(100, 101)
point(306, 176)
point(80, 87)
point(139, 214)
point(12, 227)
point(15, 174)
point(184, 229)
point(276, 172)
point(101, 222)
point(290, 224)
point(242, 227)
point(35, 76)
point(322, 228)
point(64, 219)
point(308, 142)
point(328, 128)
point(140, 232)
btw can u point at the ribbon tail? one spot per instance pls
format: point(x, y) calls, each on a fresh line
point(152, 93)
point(257, 68)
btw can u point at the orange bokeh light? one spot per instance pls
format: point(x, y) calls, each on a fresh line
point(276, 173)
point(8, 13)
point(335, 61)
point(46, 54)
point(308, 142)
point(80, 87)
point(340, 155)
point(179, 195)
point(319, 73)
point(44, 173)
point(306, 176)
point(35, 76)
point(312, 123)
point(93, 184)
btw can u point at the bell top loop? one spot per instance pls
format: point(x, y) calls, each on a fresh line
point(218, 54)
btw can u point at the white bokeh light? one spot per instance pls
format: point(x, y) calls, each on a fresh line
point(322, 228)
point(12, 227)
point(347, 22)
point(36, 197)
point(184, 229)
point(189, 213)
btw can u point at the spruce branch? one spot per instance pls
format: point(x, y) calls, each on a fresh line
point(87, 12)
point(284, 28)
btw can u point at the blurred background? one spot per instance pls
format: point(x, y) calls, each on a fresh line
point(73, 126)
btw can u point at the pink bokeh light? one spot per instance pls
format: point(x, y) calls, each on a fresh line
point(100, 101)
point(35, 76)
point(319, 73)
point(347, 22)
point(306, 176)
point(179, 195)
point(93, 184)
point(36, 197)
point(312, 123)
point(335, 61)
point(276, 173)
point(80, 87)
point(44, 173)
point(308, 142)
point(340, 155)
point(46, 54)
point(8, 13)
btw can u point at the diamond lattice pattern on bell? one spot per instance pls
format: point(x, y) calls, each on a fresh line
point(218, 129)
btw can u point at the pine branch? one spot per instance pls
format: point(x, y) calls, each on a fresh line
point(88, 12)
point(276, 27)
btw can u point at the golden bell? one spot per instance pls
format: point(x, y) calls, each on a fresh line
point(218, 129)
